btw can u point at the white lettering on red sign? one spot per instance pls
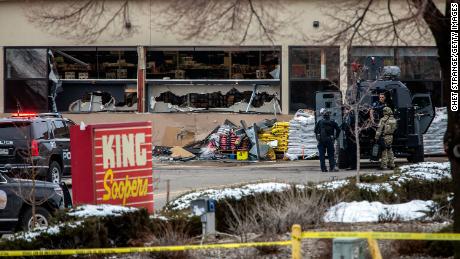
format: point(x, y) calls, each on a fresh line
point(122, 150)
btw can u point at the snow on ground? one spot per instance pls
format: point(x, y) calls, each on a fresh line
point(237, 193)
point(332, 186)
point(429, 171)
point(52, 230)
point(102, 210)
point(376, 187)
point(364, 211)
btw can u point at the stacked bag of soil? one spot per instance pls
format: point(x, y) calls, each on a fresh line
point(302, 140)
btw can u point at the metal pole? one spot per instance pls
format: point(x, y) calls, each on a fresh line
point(167, 190)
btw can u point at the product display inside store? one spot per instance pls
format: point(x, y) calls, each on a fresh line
point(96, 63)
point(196, 63)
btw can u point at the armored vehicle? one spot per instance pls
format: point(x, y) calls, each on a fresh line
point(413, 113)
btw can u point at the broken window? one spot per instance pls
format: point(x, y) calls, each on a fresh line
point(26, 83)
point(215, 99)
point(26, 63)
point(78, 65)
point(26, 95)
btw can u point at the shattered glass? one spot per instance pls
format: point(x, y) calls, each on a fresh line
point(26, 95)
point(26, 63)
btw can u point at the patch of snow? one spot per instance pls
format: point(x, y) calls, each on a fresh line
point(52, 230)
point(334, 185)
point(101, 210)
point(183, 202)
point(375, 187)
point(364, 211)
point(429, 171)
point(160, 217)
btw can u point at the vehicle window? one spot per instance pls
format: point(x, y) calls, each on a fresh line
point(69, 123)
point(421, 102)
point(40, 130)
point(14, 130)
point(60, 130)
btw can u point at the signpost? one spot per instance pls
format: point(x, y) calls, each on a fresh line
point(112, 164)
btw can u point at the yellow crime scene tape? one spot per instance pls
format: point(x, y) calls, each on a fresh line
point(303, 235)
point(125, 250)
point(384, 235)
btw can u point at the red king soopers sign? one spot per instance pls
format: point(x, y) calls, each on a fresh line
point(120, 171)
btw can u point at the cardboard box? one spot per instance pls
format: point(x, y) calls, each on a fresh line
point(69, 75)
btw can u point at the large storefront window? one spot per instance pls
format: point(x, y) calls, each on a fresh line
point(97, 78)
point(420, 69)
point(213, 79)
point(26, 80)
point(372, 60)
point(419, 63)
point(211, 63)
point(311, 69)
point(96, 63)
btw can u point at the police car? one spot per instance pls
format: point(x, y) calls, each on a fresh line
point(15, 199)
point(35, 146)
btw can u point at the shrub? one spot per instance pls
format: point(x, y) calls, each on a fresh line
point(410, 247)
point(442, 248)
point(275, 213)
point(93, 232)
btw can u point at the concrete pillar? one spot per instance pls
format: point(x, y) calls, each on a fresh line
point(2, 81)
point(285, 79)
point(343, 83)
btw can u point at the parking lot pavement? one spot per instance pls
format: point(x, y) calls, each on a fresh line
point(195, 175)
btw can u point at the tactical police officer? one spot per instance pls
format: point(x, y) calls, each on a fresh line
point(324, 130)
point(377, 108)
point(384, 136)
point(348, 127)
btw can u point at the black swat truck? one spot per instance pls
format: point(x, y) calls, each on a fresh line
point(413, 113)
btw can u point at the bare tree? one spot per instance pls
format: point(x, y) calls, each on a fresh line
point(234, 20)
point(28, 194)
point(359, 106)
point(84, 20)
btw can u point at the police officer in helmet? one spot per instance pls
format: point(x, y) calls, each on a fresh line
point(384, 136)
point(327, 131)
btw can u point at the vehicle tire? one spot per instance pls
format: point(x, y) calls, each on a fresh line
point(342, 159)
point(54, 173)
point(42, 217)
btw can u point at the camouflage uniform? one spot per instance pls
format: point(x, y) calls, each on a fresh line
point(386, 128)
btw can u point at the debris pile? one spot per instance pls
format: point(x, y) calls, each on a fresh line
point(291, 140)
point(277, 136)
